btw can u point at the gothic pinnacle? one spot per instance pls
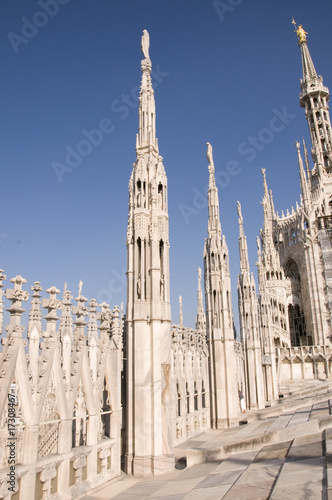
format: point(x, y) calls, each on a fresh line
point(213, 199)
point(209, 155)
point(239, 213)
point(147, 112)
point(244, 261)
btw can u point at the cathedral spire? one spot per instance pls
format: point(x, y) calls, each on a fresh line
point(309, 71)
point(268, 209)
point(148, 312)
point(266, 190)
point(147, 109)
point(213, 199)
point(314, 98)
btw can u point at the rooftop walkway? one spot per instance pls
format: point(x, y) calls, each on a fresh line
point(282, 452)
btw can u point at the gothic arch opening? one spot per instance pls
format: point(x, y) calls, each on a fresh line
point(139, 194)
point(106, 413)
point(296, 317)
point(179, 404)
point(297, 328)
point(203, 394)
point(291, 270)
point(160, 197)
point(195, 396)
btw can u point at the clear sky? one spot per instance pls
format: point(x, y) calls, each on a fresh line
point(223, 70)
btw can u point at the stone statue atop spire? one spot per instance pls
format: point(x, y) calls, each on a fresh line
point(145, 44)
point(209, 155)
point(239, 212)
point(301, 34)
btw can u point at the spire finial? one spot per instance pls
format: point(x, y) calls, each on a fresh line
point(145, 44)
point(301, 34)
point(209, 155)
point(147, 108)
point(239, 212)
point(266, 191)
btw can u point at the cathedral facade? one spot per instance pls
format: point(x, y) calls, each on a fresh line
point(90, 387)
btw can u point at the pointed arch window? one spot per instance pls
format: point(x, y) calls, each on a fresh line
point(178, 400)
point(139, 194)
point(291, 270)
point(187, 398)
point(195, 397)
point(203, 395)
point(105, 413)
point(79, 420)
point(160, 196)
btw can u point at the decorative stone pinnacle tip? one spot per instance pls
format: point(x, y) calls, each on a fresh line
point(209, 154)
point(36, 287)
point(104, 305)
point(145, 44)
point(239, 212)
point(18, 280)
point(53, 290)
point(297, 145)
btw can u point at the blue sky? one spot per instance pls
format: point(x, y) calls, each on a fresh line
point(221, 75)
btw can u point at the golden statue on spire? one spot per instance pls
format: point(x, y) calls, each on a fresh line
point(301, 34)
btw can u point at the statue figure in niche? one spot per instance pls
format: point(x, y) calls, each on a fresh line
point(138, 194)
point(160, 197)
point(213, 262)
point(139, 286)
point(215, 319)
point(162, 287)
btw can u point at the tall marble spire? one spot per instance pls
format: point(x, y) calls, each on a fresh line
point(148, 315)
point(219, 314)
